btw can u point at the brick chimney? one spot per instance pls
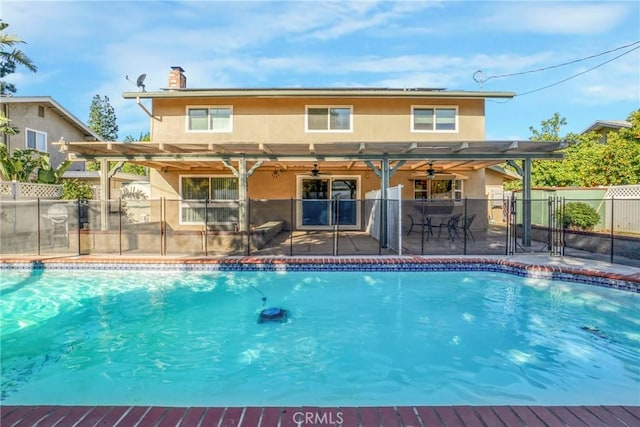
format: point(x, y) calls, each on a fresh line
point(177, 79)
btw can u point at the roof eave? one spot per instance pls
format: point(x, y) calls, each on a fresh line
point(315, 93)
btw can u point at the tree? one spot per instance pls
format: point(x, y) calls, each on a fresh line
point(10, 58)
point(19, 165)
point(550, 130)
point(29, 165)
point(5, 126)
point(131, 167)
point(102, 118)
point(588, 162)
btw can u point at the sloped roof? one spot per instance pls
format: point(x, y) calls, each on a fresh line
point(607, 124)
point(55, 106)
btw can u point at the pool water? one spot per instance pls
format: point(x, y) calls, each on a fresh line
point(351, 338)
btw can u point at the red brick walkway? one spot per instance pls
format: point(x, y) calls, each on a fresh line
point(405, 416)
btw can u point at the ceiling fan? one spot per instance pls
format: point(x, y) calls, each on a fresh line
point(431, 172)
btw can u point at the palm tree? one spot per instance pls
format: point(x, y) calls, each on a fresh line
point(10, 57)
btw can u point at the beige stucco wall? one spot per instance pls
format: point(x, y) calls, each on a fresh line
point(270, 196)
point(276, 120)
point(25, 115)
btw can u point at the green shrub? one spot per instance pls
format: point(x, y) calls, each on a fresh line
point(76, 190)
point(579, 216)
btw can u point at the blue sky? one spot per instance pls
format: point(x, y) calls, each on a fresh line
point(84, 48)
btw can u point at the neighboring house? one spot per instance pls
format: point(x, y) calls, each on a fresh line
point(604, 127)
point(211, 146)
point(42, 121)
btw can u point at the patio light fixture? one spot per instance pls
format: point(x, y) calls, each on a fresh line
point(315, 171)
point(431, 172)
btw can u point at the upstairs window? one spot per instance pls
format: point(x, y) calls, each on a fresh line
point(434, 119)
point(36, 140)
point(209, 119)
point(329, 119)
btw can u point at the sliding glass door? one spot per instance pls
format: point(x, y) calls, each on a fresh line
point(327, 201)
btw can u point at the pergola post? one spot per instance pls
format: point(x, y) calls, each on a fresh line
point(243, 219)
point(104, 194)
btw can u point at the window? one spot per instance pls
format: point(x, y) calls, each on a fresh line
point(329, 119)
point(210, 119)
point(213, 196)
point(36, 140)
point(438, 189)
point(434, 119)
point(40, 110)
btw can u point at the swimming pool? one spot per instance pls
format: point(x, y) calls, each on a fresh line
point(362, 338)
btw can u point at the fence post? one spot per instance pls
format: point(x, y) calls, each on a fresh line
point(79, 239)
point(38, 222)
point(424, 202)
point(612, 225)
point(248, 225)
point(163, 227)
point(120, 225)
point(336, 224)
point(291, 231)
point(206, 226)
point(464, 225)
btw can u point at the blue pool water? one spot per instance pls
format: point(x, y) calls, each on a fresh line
point(352, 338)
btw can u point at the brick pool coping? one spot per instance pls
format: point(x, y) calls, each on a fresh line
point(622, 281)
point(406, 416)
point(385, 416)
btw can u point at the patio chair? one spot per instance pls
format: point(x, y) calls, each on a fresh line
point(465, 225)
point(451, 225)
point(426, 223)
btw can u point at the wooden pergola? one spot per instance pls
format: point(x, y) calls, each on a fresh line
point(384, 158)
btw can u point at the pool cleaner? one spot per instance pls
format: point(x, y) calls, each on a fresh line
point(270, 314)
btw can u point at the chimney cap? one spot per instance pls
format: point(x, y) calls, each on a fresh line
point(177, 67)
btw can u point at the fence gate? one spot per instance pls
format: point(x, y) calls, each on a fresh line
point(555, 233)
point(554, 243)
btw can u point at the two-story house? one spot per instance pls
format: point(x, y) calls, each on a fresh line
point(211, 146)
point(41, 121)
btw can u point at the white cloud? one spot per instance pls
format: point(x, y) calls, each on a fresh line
point(559, 17)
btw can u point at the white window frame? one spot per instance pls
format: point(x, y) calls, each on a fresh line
point(208, 107)
point(186, 204)
point(457, 194)
point(435, 115)
point(37, 132)
point(328, 107)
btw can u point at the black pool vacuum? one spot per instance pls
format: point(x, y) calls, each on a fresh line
point(273, 314)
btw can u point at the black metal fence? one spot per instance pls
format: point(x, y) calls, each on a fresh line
point(291, 227)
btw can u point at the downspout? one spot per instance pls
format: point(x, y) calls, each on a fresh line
point(141, 105)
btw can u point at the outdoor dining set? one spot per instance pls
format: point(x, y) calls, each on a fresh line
point(440, 215)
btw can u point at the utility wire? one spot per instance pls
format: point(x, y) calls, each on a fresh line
point(581, 73)
point(561, 65)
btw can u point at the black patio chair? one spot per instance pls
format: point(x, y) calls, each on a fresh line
point(426, 223)
point(465, 225)
point(452, 227)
